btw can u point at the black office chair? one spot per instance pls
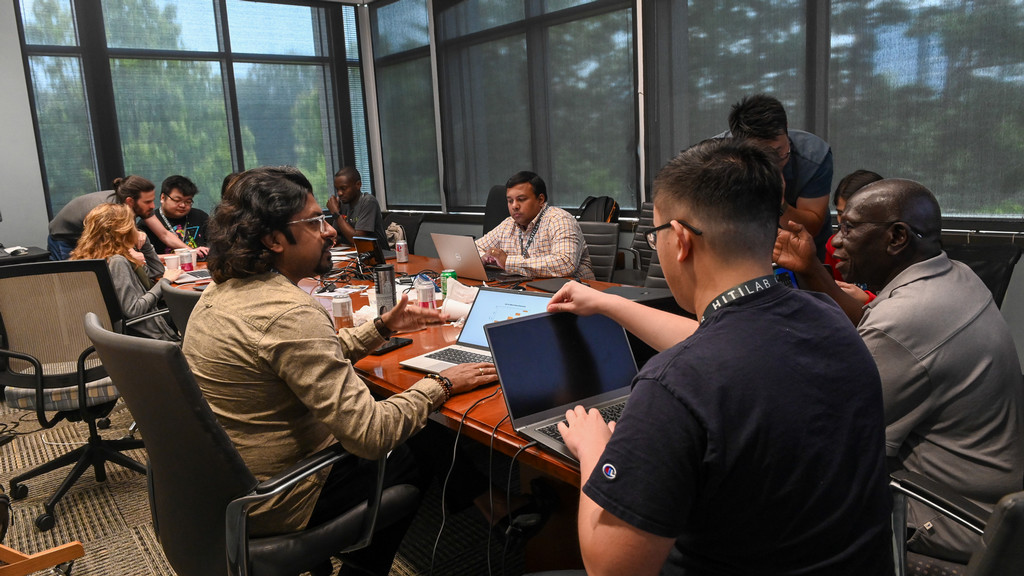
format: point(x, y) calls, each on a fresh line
point(993, 263)
point(49, 363)
point(603, 244)
point(641, 250)
point(410, 222)
point(200, 490)
point(1002, 531)
point(180, 302)
point(496, 209)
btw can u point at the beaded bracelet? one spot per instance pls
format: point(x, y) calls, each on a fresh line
point(445, 383)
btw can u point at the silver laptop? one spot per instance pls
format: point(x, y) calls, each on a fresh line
point(459, 253)
point(491, 305)
point(550, 363)
point(193, 276)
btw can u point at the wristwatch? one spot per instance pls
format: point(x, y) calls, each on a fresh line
point(382, 328)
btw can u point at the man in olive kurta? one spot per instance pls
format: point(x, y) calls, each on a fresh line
point(280, 378)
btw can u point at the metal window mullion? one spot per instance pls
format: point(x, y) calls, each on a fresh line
point(435, 86)
point(99, 91)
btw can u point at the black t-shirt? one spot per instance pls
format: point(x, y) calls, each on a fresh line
point(191, 229)
point(758, 444)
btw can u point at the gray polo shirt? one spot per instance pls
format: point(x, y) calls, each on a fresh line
point(952, 388)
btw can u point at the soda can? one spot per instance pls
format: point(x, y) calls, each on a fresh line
point(425, 295)
point(402, 251)
point(445, 275)
point(384, 287)
point(187, 259)
point(341, 306)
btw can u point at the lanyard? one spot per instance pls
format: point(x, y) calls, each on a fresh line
point(524, 250)
point(184, 228)
point(737, 292)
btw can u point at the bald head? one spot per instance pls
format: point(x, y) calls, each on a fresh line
point(892, 224)
point(903, 200)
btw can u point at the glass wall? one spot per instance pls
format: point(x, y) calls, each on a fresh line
point(923, 89)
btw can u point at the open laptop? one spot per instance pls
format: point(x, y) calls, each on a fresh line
point(491, 305)
point(459, 253)
point(550, 363)
point(371, 253)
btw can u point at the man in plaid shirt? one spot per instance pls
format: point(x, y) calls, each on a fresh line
point(536, 240)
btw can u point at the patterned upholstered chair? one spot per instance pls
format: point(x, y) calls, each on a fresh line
point(47, 364)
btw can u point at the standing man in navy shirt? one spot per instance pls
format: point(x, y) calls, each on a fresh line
point(747, 445)
point(805, 160)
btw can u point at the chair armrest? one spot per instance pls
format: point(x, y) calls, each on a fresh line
point(305, 467)
point(143, 317)
point(941, 498)
point(236, 515)
point(636, 258)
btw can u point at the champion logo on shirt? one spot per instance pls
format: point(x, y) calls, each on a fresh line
point(609, 471)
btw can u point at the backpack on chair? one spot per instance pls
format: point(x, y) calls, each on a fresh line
point(599, 209)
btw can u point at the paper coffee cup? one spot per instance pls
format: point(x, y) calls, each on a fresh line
point(455, 309)
point(172, 262)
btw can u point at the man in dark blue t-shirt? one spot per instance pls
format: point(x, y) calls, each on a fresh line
point(748, 445)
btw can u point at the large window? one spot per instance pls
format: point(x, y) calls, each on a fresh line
point(545, 86)
point(194, 87)
point(932, 90)
point(702, 57)
point(405, 100)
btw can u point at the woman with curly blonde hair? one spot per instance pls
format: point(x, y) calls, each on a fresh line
point(110, 235)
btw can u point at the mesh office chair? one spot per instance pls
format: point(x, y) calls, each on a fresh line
point(180, 302)
point(50, 365)
point(1002, 531)
point(993, 263)
point(200, 490)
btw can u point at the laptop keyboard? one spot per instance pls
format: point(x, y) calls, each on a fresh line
point(458, 356)
point(610, 413)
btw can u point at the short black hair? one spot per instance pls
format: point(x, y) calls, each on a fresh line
point(759, 116)
point(852, 182)
point(731, 188)
point(184, 185)
point(258, 202)
point(531, 178)
point(349, 172)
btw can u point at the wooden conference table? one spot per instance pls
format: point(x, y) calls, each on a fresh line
point(386, 377)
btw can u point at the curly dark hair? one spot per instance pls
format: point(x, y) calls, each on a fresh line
point(260, 201)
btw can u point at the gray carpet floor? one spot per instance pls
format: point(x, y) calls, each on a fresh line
point(112, 520)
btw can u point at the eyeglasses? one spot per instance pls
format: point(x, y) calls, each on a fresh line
point(322, 219)
point(180, 201)
point(652, 234)
point(846, 226)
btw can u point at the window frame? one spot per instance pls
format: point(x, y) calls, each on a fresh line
point(95, 57)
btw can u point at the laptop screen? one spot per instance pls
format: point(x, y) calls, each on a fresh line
point(550, 360)
point(496, 305)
